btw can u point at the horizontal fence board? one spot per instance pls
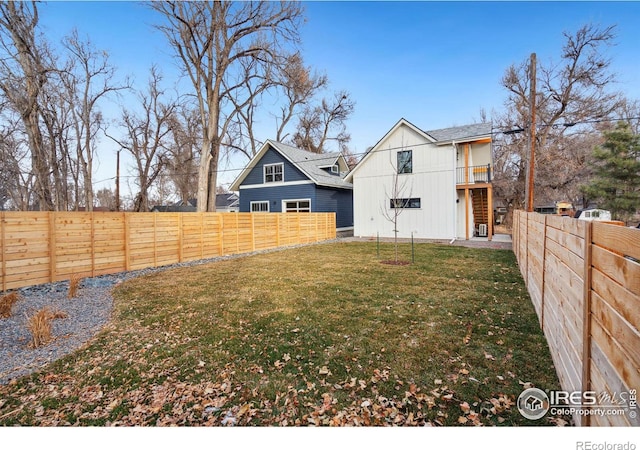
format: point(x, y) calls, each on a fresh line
point(619, 359)
point(623, 301)
point(624, 335)
point(588, 300)
point(621, 240)
point(40, 247)
point(618, 268)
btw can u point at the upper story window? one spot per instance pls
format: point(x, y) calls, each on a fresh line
point(405, 161)
point(335, 169)
point(273, 172)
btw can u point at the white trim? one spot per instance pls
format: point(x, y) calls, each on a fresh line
point(284, 203)
point(285, 183)
point(259, 202)
point(264, 173)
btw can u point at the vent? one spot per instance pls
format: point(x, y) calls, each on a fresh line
point(482, 230)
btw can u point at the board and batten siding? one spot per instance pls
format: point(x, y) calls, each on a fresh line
point(432, 180)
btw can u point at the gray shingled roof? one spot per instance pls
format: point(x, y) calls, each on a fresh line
point(459, 133)
point(311, 163)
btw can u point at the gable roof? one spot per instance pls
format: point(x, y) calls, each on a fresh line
point(228, 200)
point(464, 133)
point(442, 136)
point(310, 164)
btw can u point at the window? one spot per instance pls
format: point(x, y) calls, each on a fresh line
point(335, 169)
point(405, 161)
point(297, 205)
point(260, 206)
point(411, 203)
point(273, 172)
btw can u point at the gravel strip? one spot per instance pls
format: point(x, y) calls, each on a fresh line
point(86, 313)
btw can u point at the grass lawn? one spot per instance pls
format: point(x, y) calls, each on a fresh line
point(319, 335)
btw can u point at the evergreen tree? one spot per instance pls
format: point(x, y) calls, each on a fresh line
point(616, 181)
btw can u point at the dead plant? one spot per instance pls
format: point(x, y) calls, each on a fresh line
point(39, 325)
point(74, 284)
point(6, 303)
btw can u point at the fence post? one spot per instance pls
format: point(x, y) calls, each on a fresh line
point(180, 238)
point(544, 261)
point(155, 240)
point(253, 232)
point(202, 236)
point(586, 316)
point(92, 218)
point(221, 232)
point(52, 246)
point(127, 241)
point(526, 256)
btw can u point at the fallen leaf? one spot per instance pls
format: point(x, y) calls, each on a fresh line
point(464, 406)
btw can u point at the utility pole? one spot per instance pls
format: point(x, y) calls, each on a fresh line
point(532, 135)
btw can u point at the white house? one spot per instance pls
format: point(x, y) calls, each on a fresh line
point(440, 179)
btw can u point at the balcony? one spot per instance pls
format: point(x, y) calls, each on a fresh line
point(473, 175)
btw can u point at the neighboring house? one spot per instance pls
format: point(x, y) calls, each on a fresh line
point(443, 180)
point(557, 208)
point(592, 214)
point(281, 178)
point(227, 202)
point(179, 206)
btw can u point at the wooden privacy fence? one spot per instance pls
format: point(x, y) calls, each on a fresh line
point(42, 247)
point(584, 282)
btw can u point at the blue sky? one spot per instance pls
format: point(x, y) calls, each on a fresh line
point(434, 63)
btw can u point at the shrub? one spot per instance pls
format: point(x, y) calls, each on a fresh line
point(7, 302)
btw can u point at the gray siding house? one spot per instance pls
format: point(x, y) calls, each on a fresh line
point(281, 178)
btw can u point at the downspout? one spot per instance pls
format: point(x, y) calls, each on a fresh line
point(455, 192)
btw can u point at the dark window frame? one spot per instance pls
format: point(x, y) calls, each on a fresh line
point(405, 161)
point(405, 203)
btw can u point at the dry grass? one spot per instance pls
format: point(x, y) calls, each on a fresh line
point(6, 303)
point(74, 284)
point(39, 325)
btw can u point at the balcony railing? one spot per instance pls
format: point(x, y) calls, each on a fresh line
point(473, 174)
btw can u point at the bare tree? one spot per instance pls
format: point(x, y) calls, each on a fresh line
point(87, 80)
point(16, 180)
point(399, 196)
point(106, 198)
point(146, 136)
point(299, 85)
point(323, 123)
point(211, 39)
point(182, 151)
point(23, 74)
point(570, 94)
